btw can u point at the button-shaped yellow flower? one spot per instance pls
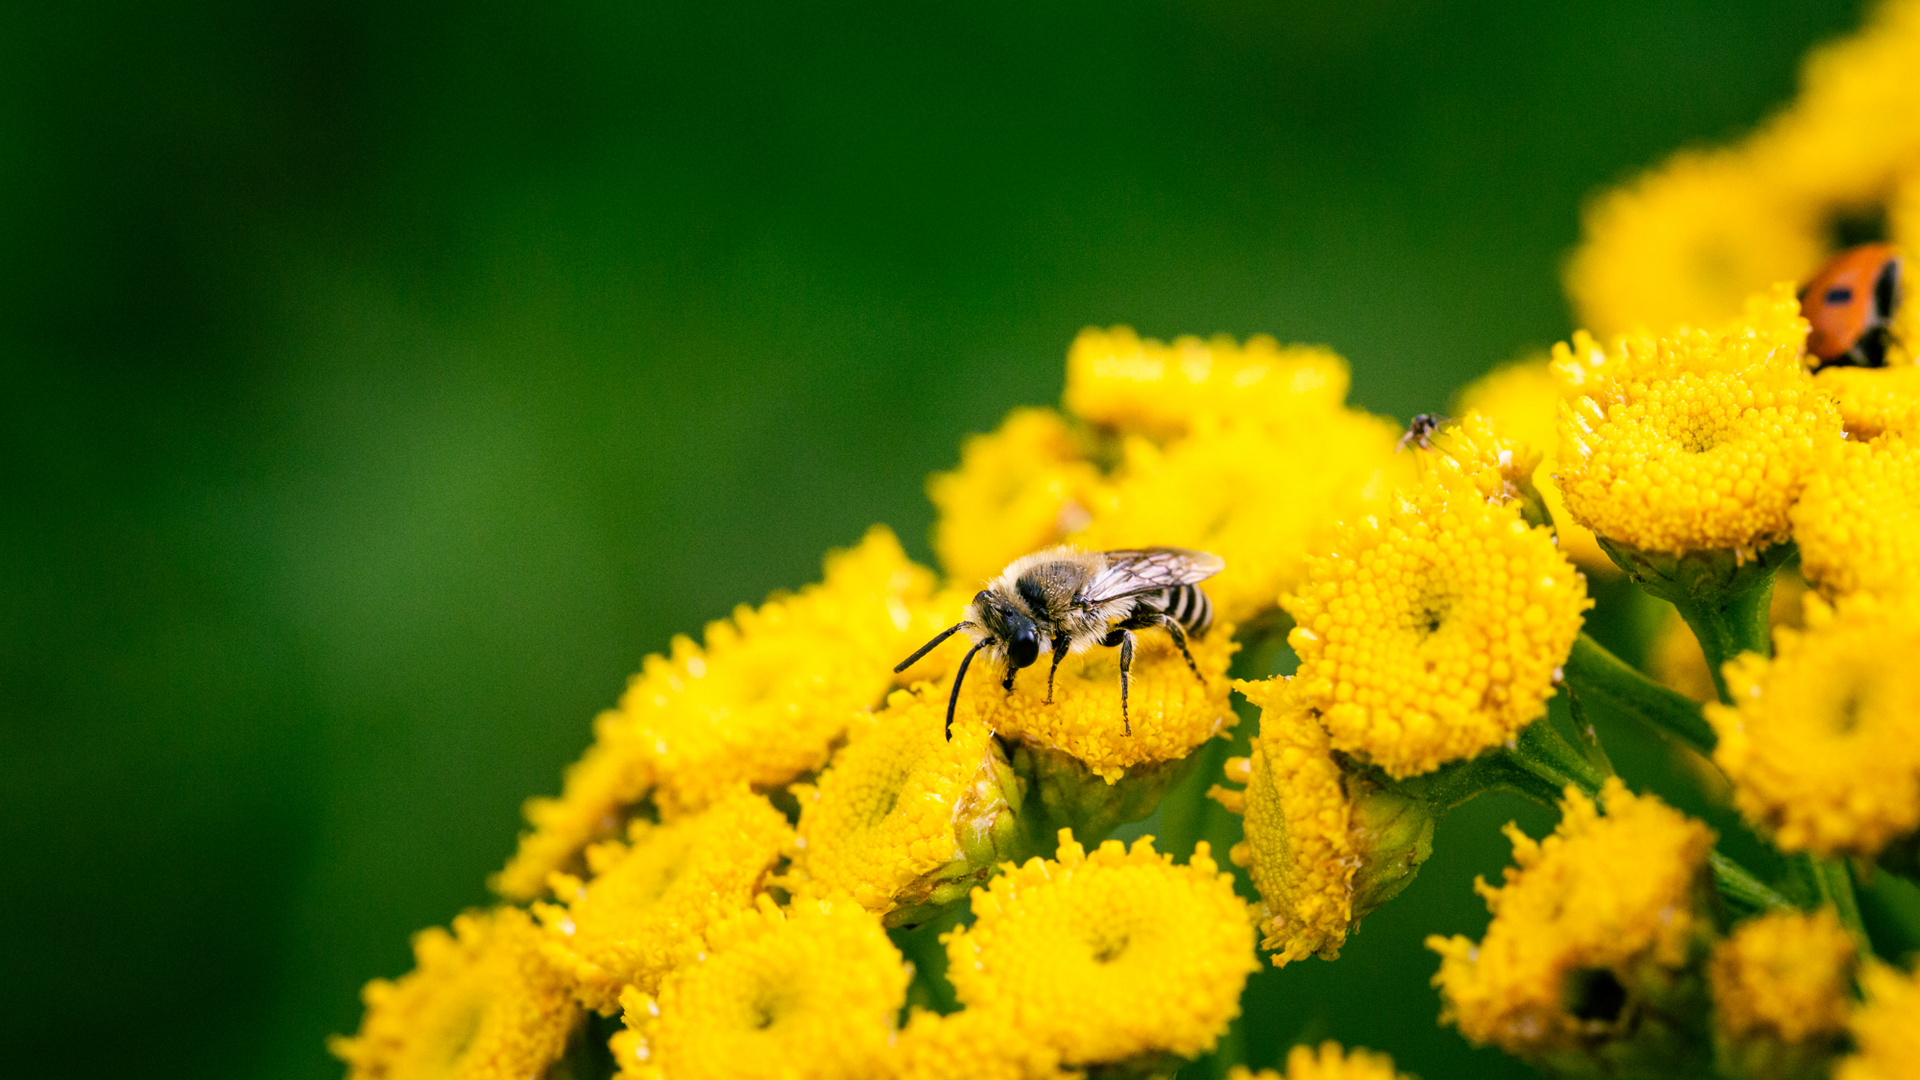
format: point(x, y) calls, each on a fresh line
point(792, 995)
point(1875, 401)
point(905, 820)
point(1781, 986)
point(1327, 1062)
point(1858, 521)
point(1822, 742)
point(1696, 441)
point(1117, 379)
point(1886, 1026)
point(1435, 632)
point(1590, 960)
point(650, 899)
point(1108, 956)
point(482, 1003)
point(972, 1044)
point(1024, 487)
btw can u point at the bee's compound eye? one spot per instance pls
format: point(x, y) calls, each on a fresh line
point(1023, 648)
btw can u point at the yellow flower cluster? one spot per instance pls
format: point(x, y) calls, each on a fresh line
point(1026, 487)
point(1436, 631)
point(1686, 243)
point(1886, 1028)
point(1858, 522)
point(1327, 1062)
point(482, 1003)
point(1600, 921)
point(1875, 401)
point(1696, 441)
point(1783, 978)
point(1822, 742)
point(1118, 380)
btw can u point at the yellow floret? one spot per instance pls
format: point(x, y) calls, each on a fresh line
point(972, 1044)
point(1697, 441)
point(1783, 977)
point(482, 1003)
point(810, 993)
point(1117, 379)
point(1328, 1062)
point(1025, 487)
point(1686, 242)
point(1822, 742)
point(1858, 521)
point(1603, 920)
point(1886, 1027)
point(904, 818)
point(1875, 401)
point(649, 900)
point(1436, 632)
point(1110, 955)
point(1523, 398)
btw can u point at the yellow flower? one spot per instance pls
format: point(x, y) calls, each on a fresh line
point(1435, 633)
point(1780, 993)
point(972, 1044)
point(1875, 401)
point(1171, 711)
point(480, 1004)
point(1685, 243)
point(1886, 1027)
point(790, 995)
point(1117, 379)
point(650, 899)
point(1858, 522)
point(906, 820)
point(760, 703)
point(1823, 741)
point(1697, 441)
point(1108, 956)
point(1025, 487)
point(1329, 1062)
point(1593, 939)
point(1523, 398)
point(1323, 846)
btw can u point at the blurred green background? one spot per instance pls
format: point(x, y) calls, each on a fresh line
point(381, 381)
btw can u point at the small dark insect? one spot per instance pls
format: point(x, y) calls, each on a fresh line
point(1420, 431)
point(1064, 600)
point(1849, 304)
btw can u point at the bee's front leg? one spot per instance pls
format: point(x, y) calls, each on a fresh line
point(1008, 681)
point(1059, 654)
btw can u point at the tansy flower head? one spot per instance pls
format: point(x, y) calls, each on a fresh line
point(1858, 521)
point(1108, 956)
point(650, 899)
point(1589, 961)
point(808, 993)
point(1695, 441)
point(1886, 1026)
point(1025, 487)
point(1434, 633)
point(905, 820)
point(1117, 379)
point(1780, 994)
point(1822, 742)
point(1523, 399)
point(1875, 401)
point(482, 1003)
point(1687, 242)
point(1328, 1062)
point(972, 1044)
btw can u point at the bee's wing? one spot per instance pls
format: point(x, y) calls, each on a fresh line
point(1148, 569)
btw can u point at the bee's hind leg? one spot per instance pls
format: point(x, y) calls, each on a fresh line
point(1179, 635)
point(1126, 678)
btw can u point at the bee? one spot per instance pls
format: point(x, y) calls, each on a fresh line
point(1420, 431)
point(1849, 305)
point(1064, 600)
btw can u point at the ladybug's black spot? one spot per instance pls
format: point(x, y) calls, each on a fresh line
point(1886, 290)
point(1839, 294)
point(1595, 994)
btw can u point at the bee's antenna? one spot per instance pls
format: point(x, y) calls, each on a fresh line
point(954, 700)
point(930, 646)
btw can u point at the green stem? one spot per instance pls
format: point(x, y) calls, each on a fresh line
point(1728, 625)
point(1832, 883)
point(1739, 885)
point(1546, 755)
point(1594, 673)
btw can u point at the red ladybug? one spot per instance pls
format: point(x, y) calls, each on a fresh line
point(1850, 304)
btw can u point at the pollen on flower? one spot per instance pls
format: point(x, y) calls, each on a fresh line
point(905, 817)
point(1885, 1027)
point(1434, 633)
point(1858, 521)
point(806, 993)
point(1697, 441)
point(1820, 741)
point(1783, 977)
point(1604, 919)
point(1108, 955)
point(1170, 710)
point(1523, 399)
point(650, 899)
point(481, 1002)
point(1025, 487)
point(1298, 847)
point(1326, 1062)
point(1117, 379)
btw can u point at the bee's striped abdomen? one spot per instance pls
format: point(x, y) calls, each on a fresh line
point(1189, 607)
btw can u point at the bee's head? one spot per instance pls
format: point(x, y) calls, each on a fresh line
point(1012, 628)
